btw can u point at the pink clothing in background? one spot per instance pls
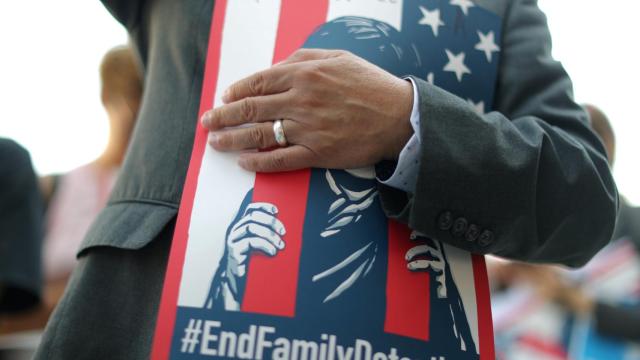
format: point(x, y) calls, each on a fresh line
point(80, 196)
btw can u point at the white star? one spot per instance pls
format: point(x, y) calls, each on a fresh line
point(487, 44)
point(431, 18)
point(430, 78)
point(478, 107)
point(464, 5)
point(456, 64)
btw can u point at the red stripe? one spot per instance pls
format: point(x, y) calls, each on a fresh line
point(408, 294)
point(272, 282)
point(169, 301)
point(483, 306)
point(550, 350)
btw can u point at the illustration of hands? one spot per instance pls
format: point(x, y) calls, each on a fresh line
point(347, 207)
point(258, 229)
point(428, 256)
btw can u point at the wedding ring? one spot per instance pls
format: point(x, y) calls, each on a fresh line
point(278, 131)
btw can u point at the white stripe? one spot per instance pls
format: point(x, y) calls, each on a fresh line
point(248, 43)
point(461, 266)
point(248, 40)
point(389, 11)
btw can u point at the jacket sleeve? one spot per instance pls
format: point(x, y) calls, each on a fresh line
point(127, 12)
point(529, 181)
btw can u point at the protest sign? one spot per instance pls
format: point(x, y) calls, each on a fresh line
point(304, 264)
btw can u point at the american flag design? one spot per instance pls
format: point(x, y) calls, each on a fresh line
point(336, 283)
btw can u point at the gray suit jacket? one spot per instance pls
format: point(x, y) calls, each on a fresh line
point(529, 181)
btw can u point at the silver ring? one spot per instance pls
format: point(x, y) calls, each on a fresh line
point(278, 131)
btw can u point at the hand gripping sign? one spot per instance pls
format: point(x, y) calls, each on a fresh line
point(305, 265)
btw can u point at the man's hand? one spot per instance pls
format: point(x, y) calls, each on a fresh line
point(339, 112)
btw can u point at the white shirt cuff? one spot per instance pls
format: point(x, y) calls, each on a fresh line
point(405, 175)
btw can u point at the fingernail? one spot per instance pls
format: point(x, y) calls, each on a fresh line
point(225, 96)
point(282, 232)
point(274, 210)
point(281, 244)
point(205, 119)
point(213, 138)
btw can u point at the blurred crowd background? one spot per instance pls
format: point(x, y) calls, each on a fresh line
point(69, 93)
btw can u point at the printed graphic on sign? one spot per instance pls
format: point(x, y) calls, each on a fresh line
point(305, 265)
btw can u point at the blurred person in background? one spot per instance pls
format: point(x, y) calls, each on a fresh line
point(610, 319)
point(628, 221)
point(75, 198)
point(613, 316)
point(21, 212)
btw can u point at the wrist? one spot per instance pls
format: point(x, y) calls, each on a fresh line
point(401, 125)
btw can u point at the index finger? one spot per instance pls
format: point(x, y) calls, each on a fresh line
point(262, 206)
point(265, 219)
point(310, 54)
point(420, 250)
point(273, 80)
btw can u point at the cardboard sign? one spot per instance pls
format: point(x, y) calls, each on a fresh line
point(305, 265)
